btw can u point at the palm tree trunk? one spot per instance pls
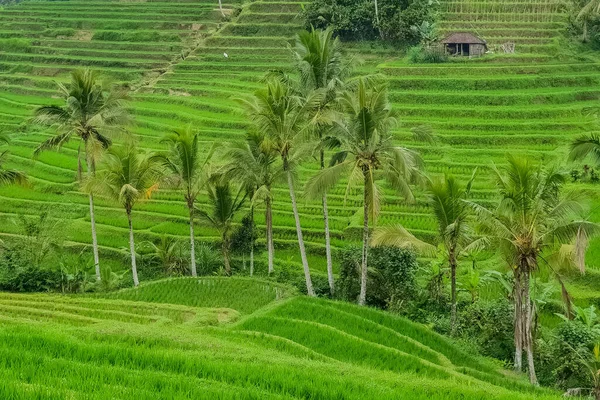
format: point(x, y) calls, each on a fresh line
point(365, 251)
point(192, 243)
point(528, 340)
point(92, 171)
point(94, 240)
point(136, 281)
point(377, 18)
point(518, 320)
point(452, 262)
point(221, 8)
point(327, 236)
point(585, 31)
point(225, 251)
point(269, 222)
point(309, 286)
point(252, 240)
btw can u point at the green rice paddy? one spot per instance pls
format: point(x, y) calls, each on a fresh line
point(267, 344)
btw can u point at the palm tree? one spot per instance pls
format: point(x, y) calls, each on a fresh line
point(128, 176)
point(368, 154)
point(223, 206)
point(447, 200)
point(90, 111)
point(252, 165)
point(585, 146)
point(587, 12)
point(531, 220)
point(319, 63)
point(283, 117)
point(189, 169)
point(9, 176)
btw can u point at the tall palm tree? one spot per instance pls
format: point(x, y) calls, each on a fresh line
point(283, 116)
point(9, 176)
point(223, 206)
point(368, 154)
point(91, 110)
point(447, 200)
point(320, 65)
point(127, 177)
point(531, 220)
point(585, 15)
point(187, 166)
point(253, 166)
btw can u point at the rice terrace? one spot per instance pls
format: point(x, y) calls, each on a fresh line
point(282, 199)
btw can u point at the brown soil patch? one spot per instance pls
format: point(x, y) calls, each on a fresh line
point(83, 36)
point(178, 93)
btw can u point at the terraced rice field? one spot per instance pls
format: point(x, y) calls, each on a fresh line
point(78, 347)
point(173, 53)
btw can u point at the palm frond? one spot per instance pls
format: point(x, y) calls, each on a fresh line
point(398, 236)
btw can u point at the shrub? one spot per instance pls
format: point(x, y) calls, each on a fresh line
point(391, 276)
point(426, 55)
point(490, 326)
point(560, 358)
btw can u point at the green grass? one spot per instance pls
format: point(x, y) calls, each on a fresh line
point(83, 347)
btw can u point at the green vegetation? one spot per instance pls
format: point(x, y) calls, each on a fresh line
point(189, 64)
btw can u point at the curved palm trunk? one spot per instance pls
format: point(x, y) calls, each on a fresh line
point(452, 262)
point(192, 243)
point(221, 8)
point(252, 240)
point(136, 281)
point(365, 251)
point(269, 223)
point(327, 236)
point(309, 286)
point(528, 339)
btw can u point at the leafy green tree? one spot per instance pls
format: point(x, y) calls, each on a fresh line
point(90, 112)
point(319, 61)
point(128, 177)
point(447, 200)
point(283, 117)
point(253, 164)
point(223, 206)
point(167, 253)
point(9, 176)
point(532, 219)
point(189, 169)
point(368, 154)
point(589, 11)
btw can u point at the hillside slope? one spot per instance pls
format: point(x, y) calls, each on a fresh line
point(186, 66)
point(91, 348)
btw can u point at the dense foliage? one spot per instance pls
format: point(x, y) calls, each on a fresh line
point(357, 20)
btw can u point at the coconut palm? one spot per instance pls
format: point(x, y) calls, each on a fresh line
point(531, 221)
point(189, 169)
point(223, 206)
point(367, 154)
point(91, 110)
point(320, 65)
point(447, 199)
point(253, 166)
point(9, 176)
point(590, 10)
point(128, 176)
point(283, 117)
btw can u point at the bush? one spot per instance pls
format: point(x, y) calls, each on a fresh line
point(356, 20)
point(490, 326)
point(560, 358)
point(426, 55)
point(391, 276)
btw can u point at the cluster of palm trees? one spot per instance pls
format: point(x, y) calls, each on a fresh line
point(322, 113)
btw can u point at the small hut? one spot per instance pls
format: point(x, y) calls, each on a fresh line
point(464, 44)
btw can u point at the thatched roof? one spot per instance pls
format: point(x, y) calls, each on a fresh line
point(463, 37)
